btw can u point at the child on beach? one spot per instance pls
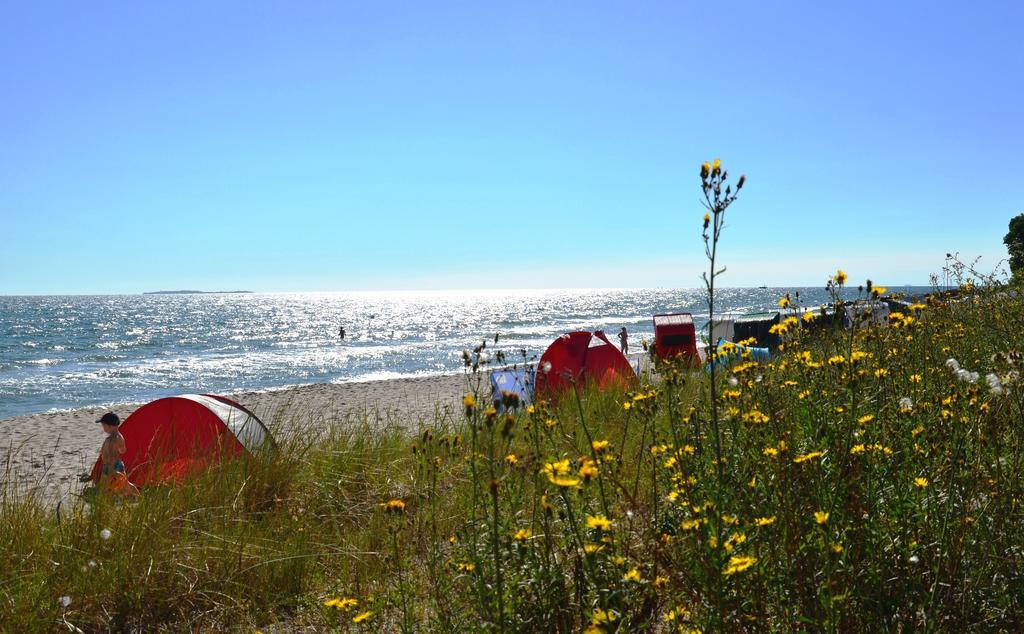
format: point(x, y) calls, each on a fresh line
point(112, 476)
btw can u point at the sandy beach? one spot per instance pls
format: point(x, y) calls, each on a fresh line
point(50, 450)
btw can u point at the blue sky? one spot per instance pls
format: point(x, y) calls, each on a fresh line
point(385, 145)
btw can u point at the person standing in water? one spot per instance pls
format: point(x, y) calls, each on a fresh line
point(341, 333)
point(623, 341)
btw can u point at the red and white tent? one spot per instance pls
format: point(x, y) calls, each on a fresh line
point(171, 438)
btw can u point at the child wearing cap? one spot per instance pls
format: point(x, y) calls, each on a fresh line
point(112, 474)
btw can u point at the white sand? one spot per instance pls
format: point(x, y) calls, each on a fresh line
point(50, 450)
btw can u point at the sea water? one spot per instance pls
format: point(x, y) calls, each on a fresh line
point(60, 352)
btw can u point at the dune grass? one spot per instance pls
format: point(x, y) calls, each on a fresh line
point(865, 481)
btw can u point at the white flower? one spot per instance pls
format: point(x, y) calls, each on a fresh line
point(906, 403)
point(65, 601)
point(733, 381)
point(913, 559)
point(105, 534)
point(92, 563)
point(952, 364)
point(967, 376)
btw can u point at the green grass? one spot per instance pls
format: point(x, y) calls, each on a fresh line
point(924, 527)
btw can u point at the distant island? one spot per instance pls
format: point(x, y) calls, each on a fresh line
point(194, 292)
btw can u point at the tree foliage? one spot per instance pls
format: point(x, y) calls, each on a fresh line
point(1014, 241)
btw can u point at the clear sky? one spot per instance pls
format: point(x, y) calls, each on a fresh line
point(386, 145)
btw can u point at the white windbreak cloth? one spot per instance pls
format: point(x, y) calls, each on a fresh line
point(247, 428)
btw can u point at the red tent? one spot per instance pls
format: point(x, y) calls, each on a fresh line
point(581, 356)
point(173, 437)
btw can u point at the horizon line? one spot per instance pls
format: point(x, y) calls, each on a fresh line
point(436, 290)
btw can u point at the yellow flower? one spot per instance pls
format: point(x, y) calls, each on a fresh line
point(733, 541)
point(588, 469)
point(840, 277)
point(820, 517)
point(717, 164)
point(342, 603)
point(359, 618)
point(778, 329)
point(522, 535)
point(707, 218)
point(878, 290)
point(771, 452)
point(921, 482)
point(560, 467)
point(865, 419)
point(600, 445)
point(764, 521)
point(564, 482)
point(393, 506)
point(755, 416)
point(915, 378)
point(859, 448)
point(738, 564)
point(784, 302)
point(558, 473)
point(689, 525)
point(590, 549)
point(465, 566)
point(677, 613)
point(627, 406)
point(632, 575)
point(469, 401)
point(808, 456)
point(600, 616)
point(599, 522)
point(837, 548)
point(512, 459)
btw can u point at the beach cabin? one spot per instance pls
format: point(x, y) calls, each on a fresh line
point(674, 335)
point(724, 328)
point(757, 325)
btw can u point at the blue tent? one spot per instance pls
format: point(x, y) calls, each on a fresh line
point(518, 381)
